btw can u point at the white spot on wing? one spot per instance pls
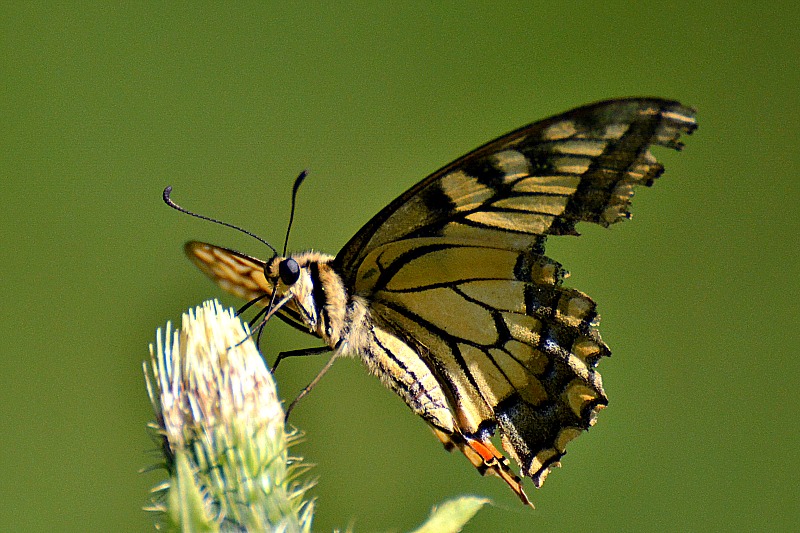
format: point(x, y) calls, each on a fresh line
point(552, 205)
point(512, 163)
point(559, 130)
point(464, 190)
point(572, 165)
point(548, 184)
point(615, 131)
point(586, 148)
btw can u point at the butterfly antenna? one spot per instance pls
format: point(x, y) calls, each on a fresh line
point(267, 312)
point(173, 205)
point(296, 187)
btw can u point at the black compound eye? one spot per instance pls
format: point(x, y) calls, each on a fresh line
point(289, 271)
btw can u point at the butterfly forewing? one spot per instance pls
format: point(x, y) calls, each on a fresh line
point(538, 180)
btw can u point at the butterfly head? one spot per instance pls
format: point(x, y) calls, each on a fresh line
point(303, 288)
point(289, 287)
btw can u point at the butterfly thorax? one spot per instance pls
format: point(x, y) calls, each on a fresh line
point(338, 317)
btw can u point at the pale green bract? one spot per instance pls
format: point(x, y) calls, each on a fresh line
point(222, 425)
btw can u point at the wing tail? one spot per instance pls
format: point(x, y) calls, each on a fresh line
point(485, 458)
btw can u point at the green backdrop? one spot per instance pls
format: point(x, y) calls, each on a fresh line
point(102, 105)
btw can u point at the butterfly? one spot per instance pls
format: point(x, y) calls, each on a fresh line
point(447, 295)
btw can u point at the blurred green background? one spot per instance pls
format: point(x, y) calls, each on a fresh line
point(105, 104)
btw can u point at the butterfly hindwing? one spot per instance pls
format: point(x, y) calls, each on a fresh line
point(514, 349)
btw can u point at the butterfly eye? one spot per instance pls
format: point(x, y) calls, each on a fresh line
point(289, 271)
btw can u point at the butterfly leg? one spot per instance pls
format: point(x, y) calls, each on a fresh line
point(311, 385)
point(485, 458)
point(299, 353)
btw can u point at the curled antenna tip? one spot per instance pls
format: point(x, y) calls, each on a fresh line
point(169, 202)
point(296, 187)
point(299, 180)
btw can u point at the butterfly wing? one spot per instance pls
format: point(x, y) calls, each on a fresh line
point(539, 180)
point(455, 266)
point(515, 349)
point(240, 275)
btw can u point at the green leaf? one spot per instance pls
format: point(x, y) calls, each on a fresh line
point(452, 515)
